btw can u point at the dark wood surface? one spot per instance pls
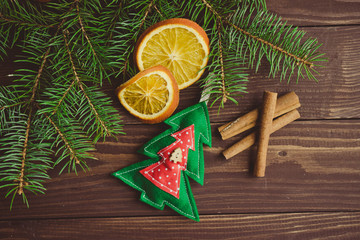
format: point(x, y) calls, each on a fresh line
point(312, 184)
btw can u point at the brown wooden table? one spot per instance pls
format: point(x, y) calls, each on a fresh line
point(312, 184)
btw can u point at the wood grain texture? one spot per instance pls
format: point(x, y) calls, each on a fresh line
point(294, 226)
point(312, 166)
point(312, 184)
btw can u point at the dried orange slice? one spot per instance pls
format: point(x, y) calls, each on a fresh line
point(151, 95)
point(178, 44)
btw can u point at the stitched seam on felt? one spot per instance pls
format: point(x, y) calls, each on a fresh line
point(151, 143)
point(164, 201)
point(188, 172)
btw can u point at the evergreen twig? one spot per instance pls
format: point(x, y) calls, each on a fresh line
point(80, 84)
point(63, 138)
point(62, 99)
point(88, 38)
point(50, 128)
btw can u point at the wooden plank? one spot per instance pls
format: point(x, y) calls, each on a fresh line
point(342, 225)
point(309, 12)
point(312, 166)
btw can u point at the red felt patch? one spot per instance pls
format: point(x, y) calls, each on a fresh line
point(165, 174)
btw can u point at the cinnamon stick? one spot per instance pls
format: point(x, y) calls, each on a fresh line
point(266, 119)
point(249, 140)
point(284, 104)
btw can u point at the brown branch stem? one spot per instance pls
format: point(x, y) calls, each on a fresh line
point(7, 19)
point(23, 155)
point(124, 71)
point(37, 79)
point(146, 13)
point(158, 11)
point(12, 105)
point(223, 87)
point(31, 101)
point(273, 46)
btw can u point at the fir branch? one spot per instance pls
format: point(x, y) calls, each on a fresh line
point(31, 100)
point(270, 29)
point(276, 48)
point(98, 61)
point(25, 160)
point(78, 81)
point(21, 181)
point(63, 138)
point(62, 99)
point(84, 31)
point(28, 124)
point(69, 142)
point(24, 163)
point(226, 79)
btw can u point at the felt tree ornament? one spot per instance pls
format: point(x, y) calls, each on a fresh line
point(175, 155)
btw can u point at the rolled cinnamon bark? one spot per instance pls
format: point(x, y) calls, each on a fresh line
point(266, 118)
point(249, 140)
point(284, 104)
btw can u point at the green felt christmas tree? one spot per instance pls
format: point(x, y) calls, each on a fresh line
point(175, 155)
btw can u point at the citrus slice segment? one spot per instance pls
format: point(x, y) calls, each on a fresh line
point(178, 44)
point(151, 95)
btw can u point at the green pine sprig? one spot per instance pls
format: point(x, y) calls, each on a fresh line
point(55, 111)
point(255, 35)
